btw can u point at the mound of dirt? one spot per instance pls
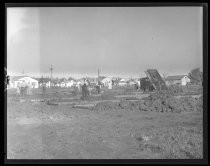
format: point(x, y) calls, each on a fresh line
point(165, 102)
point(162, 101)
point(127, 105)
point(108, 105)
point(158, 102)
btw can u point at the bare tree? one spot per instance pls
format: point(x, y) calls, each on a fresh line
point(196, 76)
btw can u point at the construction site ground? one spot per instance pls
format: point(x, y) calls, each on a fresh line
point(116, 124)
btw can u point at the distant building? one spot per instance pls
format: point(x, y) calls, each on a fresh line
point(15, 80)
point(48, 84)
point(177, 80)
point(54, 82)
point(106, 81)
point(45, 81)
point(79, 83)
point(123, 82)
point(132, 82)
point(70, 83)
point(92, 80)
point(100, 79)
point(138, 82)
point(115, 80)
point(62, 82)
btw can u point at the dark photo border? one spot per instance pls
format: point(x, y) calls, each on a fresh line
point(111, 161)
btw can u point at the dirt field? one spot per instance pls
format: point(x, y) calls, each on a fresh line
point(136, 127)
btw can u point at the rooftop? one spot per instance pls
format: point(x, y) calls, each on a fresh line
point(176, 77)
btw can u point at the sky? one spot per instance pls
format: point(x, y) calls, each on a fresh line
point(120, 41)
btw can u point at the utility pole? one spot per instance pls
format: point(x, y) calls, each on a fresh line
point(98, 76)
point(23, 71)
point(98, 87)
point(51, 69)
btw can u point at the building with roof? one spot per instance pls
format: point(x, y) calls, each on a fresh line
point(106, 81)
point(62, 84)
point(100, 79)
point(177, 80)
point(123, 82)
point(70, 83)
point(15, 80)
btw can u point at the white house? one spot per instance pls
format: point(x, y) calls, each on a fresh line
point(79, 83)
point(122, 82)
point(132, 82)
point(137, 80)
point(70, 83)
point(19, 79)
point(106, 81)
point(57, 84)
point(14, 81)
point(62, 84)
point(178, 79)
point(48, 84)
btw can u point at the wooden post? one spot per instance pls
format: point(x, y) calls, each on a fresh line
point(51, 69)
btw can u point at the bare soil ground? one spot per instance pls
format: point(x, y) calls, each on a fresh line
point(124, 130)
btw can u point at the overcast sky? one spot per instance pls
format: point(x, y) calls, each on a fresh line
point(121, 41)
